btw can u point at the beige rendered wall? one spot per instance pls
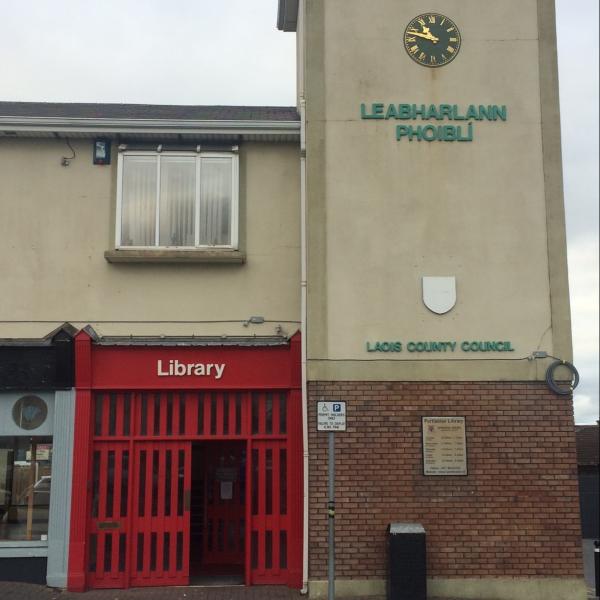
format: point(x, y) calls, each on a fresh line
point(57, 222)
point(382, 213)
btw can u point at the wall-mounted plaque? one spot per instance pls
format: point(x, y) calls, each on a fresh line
point(444, 446)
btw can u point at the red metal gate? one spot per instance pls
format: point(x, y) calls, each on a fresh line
point(139, 516)
point(108, 525)
point(270, 515)
point(132, 482)
point(161, 514)
point(139, 513)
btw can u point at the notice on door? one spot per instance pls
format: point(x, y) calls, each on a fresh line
point(444, 446)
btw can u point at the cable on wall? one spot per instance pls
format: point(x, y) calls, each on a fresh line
point(66, 160)
point(551, 381)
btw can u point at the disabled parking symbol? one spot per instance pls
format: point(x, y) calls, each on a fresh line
point(331, 416)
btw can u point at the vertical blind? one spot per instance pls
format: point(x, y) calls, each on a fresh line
point(177, 200)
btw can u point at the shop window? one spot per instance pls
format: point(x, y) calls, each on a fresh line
point(25, 476)
point(178, 200)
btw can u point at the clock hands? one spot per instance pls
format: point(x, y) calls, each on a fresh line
point(426, 34)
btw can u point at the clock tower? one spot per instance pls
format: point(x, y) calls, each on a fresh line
point(437, 292)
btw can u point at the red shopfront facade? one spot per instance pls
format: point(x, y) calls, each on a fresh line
point(187, 465)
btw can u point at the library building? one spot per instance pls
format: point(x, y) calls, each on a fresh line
point(204, 304)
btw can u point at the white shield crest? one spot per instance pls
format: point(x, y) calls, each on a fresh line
point(439, 293)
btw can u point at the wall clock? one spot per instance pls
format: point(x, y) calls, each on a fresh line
point(432, 40)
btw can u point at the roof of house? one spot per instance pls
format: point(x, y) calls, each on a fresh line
point(148, 111)
point(149, 121)
point(587, 445)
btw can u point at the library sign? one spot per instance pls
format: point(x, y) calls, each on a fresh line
point(461, 129)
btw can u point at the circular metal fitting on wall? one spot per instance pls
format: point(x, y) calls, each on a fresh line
point(29, 412)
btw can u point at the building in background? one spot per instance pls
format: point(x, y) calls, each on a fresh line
point(588, 465)
point(588, 469)
point(395, 241)
point(36, 450)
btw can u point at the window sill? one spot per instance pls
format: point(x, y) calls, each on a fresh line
point(217, 256)
point(23, 548)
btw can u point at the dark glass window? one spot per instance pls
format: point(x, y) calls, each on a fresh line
point(25, 477)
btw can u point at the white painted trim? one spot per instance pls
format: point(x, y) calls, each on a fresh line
point(23, 544)
point(24, 549)
point(60, 493)
point(235, 201)
point(153, 126)
point(304, 345)
point(119, 200)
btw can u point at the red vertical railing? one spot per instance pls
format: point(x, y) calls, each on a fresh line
point(132, 471)
point(161, 515)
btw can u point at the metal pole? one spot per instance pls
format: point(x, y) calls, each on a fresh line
point(331, 518)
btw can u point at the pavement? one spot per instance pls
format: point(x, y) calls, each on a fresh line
point(29, 591)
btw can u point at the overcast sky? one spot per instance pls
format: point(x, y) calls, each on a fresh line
point(229, 52)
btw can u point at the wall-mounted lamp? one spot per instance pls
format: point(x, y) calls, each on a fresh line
point(101, 151)
point(254, 321)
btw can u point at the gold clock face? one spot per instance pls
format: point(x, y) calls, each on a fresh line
point(432, 40)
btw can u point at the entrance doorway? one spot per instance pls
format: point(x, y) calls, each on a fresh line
point(194, 487)
point(218, 513)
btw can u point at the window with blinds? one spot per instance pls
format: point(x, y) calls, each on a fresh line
point(177, 200)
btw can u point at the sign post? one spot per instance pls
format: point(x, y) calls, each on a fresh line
point(331, 417)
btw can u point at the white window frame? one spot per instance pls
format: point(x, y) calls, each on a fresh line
point(234, 217)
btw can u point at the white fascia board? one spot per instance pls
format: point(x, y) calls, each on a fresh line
point(124, 126)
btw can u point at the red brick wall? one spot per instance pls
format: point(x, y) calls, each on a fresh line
point(515, 514)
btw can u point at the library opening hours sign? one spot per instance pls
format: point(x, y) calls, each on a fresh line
point(444, 446)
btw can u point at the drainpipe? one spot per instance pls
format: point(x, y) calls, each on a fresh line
point(303, 311)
